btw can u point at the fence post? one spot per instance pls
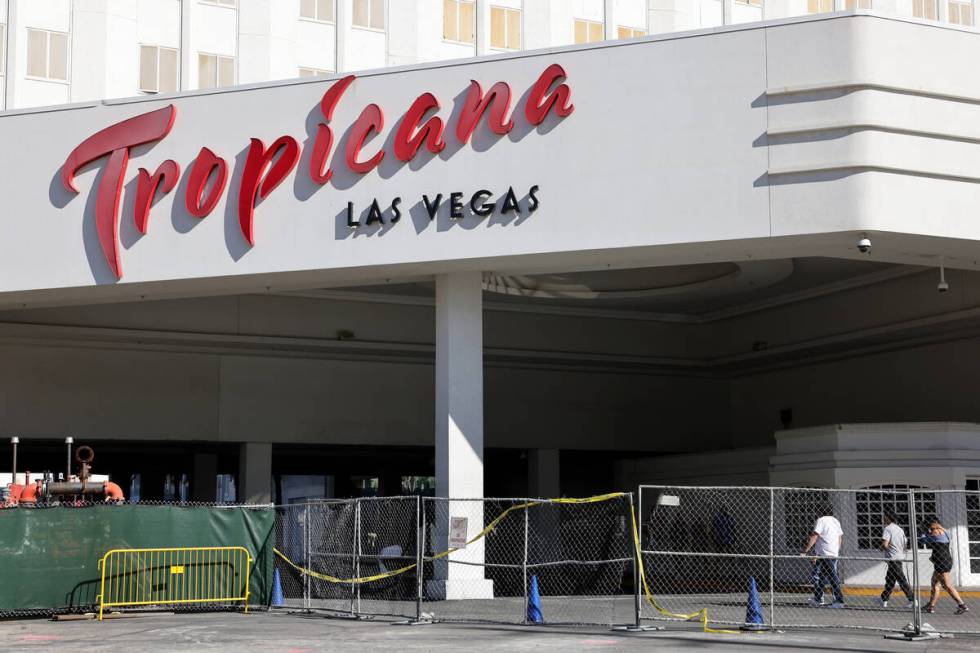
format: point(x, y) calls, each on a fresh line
point(914, 529)
point(772, 559)
point(357, 556)
point(638, 623)
point(306, 557)
point(419, 548)
point(524, 564)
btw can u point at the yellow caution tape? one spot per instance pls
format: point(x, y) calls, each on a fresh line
point(702, 614)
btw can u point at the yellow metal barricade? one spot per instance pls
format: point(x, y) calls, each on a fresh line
point(178, 576)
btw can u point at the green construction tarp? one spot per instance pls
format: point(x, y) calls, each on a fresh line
point(49, 557)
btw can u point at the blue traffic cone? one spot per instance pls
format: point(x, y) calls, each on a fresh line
point(534, 615)
point(753, 609)
point(277, 599)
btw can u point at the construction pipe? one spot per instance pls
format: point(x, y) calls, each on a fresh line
point(29, 495)
point(113, 492)
point(68, 441)
point(14, 441)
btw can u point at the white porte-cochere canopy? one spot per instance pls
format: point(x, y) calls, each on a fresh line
point(719, 145)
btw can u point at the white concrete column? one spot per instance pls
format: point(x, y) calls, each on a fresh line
point(610, 31)
point(459, 385)
point(343, 26)
point(255, 472)
point(543, 473)
point(459, 433)
point(482, 27)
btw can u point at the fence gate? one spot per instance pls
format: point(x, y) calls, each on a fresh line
point(177, 576)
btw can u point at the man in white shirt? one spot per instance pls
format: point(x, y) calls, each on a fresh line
point(826, 540)
point(894, 544)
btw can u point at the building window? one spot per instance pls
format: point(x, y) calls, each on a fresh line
point(973, 522)
point(214, 70)
point(321, 10)
point(819, 6)
point(159, 69)
point(505, 28)
point(588, 31)
point(871, 507)
point(960, 13)
point(459, 21)
point(630, 32)
point(369, 13)
point(857, 4)
point(924, 9)
point(313, 72)
point(47, 54)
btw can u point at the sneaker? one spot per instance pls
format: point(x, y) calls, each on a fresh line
point(884, 603)
point(963, 608)
point(929, 609)
point(838, 605)
point(911, 605)
point(815, 603)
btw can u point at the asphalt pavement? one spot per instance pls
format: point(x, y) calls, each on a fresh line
point(280, 632)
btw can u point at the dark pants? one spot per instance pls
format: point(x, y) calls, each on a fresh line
point(896, 574)
point(825, 571)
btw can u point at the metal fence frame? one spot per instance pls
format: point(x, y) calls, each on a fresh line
point(419, 516)
point(222, 576)
point(773, 618)
point(628, 585)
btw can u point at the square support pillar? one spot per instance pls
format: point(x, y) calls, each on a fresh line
point(459, 433)
point(543, 473)
point(204, 478)
point(255, 472)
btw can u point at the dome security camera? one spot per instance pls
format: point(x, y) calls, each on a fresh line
point(864, 245)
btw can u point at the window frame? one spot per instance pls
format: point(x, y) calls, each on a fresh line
point(370, 14)
point(139, 74)
point(520, 13)
point(633, 32)
point(226, 4)
point(887, 493)
point(3, 49)
point(317, 19)
point(589, 24)
point(47, 56)
point(317, 72)
point(819, 4)
point(458, 41)
point(217, 70)
point(925, 4)
point(960, 7)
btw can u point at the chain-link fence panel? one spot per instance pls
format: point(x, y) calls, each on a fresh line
point(387, 542)
point(948, 533)
point(319, 539)
point(568, 559)
point(702, 549)
point(781, 557)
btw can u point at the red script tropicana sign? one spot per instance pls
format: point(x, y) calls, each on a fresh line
point(266, 167)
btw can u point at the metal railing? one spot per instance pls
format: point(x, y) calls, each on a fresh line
point(174, 576)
